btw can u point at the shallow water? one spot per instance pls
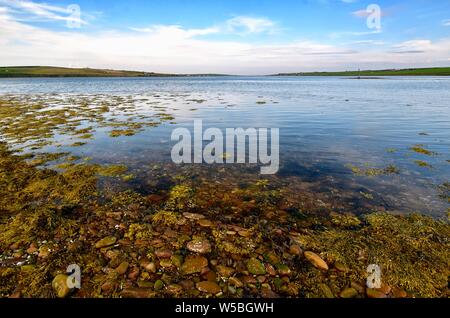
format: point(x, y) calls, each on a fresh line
point(326, 125)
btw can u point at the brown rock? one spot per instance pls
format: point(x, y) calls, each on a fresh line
point(201, 246)
point(225, 271)
point(205, 223)
point(60, 287)
point(399, 293)
point(316, 260)
point(374, 293)
point(148, 266)
point(235, 282)
point(193, 264)
point(348, 293)
point(122, 268)
point(295, 249)
point(32, 249)
point(209, 287)
point(163, 253)
point(105, 242)
point(193, 216)
point(135, 292)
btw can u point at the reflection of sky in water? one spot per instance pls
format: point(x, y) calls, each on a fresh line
point(325, 123)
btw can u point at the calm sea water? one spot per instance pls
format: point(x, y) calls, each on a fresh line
point(326, 124)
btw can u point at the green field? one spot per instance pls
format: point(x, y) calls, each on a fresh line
point(436, 71)
point(48, 71)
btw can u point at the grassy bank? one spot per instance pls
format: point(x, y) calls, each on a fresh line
point(435, 71)
point(48, 71)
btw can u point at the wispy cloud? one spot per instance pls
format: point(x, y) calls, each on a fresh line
point(29, 11)
point(446, 22)
point(250, 25)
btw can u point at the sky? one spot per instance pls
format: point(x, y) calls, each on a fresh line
point(246, 37)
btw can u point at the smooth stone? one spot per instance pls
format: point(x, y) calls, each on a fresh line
point(295, 249)
point(163, 253)
point(399, 293)
point(149, 266)
point(348, 293)
point(283, 270)
point(159, 284)
point(326, 291)
point(359, 288)
point(136, 292)
point(341, 267)
point(225, 271)
point(193, 216)
point(59, 285)
point(105, 242)
point(193, 264)
point(201, 246)
point(205, 223)
point(235, 282)
point(166, 263)
point(255, 267)
point(122, 268)
point(316, 260)
point(32, 249)
point(209, 287)
point(174, 289)
point(374, 293)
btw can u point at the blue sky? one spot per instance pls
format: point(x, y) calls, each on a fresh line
point(226, 36)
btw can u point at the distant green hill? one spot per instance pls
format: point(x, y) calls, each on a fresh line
point(49, 71)
point(435, 71)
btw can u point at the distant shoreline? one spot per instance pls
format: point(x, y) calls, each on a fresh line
point(59, 72)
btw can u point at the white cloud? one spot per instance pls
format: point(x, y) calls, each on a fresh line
point(174, 49)
point(248, 25)
point(27, 10)
point(446, 22)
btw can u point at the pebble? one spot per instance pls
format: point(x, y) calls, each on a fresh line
point(59, 285)
point(326, 291)
point(159, 284)
point(105, 242)
point(235, 282)
point(149, 266)
point(193, 216)
point(136, 292)
point(193, 264)
point(32, 249)
point(163, 253)
point(270, 270)
point(205, 223)
point(255, 267)
point(208, 287)
point(399, 293)
point(44, 251)
point(224, 271)
point(166, 263)
point(316, 260)
point(174, 289)
point(374, 293)
point(295, 250)
point(341, 267)
point(283, 270)
point(122, 268)
point(201, 246)
point(348, 293)
point(359, 288)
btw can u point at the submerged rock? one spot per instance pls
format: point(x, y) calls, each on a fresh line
point(105, 242)
point(60, 287)
point(193, 264)
point(209, 287)
point(201, 246)
point(316, 260)
point(348, 293)
point(255, 267)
